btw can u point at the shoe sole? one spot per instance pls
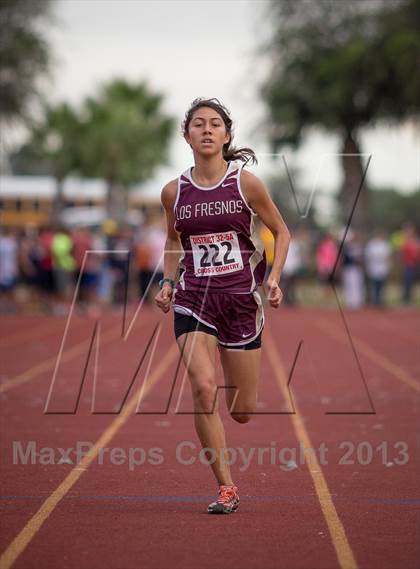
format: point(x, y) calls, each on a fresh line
point(223, 511)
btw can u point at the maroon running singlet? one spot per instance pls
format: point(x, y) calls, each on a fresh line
point(221, 256)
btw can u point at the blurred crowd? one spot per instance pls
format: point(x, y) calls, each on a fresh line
point(358, 266)
point(110, 265)
point(106, 266)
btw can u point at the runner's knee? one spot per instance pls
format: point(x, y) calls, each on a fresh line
point(241, 417)
point(204, 393)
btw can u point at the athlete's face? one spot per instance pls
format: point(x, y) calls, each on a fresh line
point(207, 132)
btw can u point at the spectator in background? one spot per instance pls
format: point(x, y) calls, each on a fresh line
point(87, 265)
point(104, 240)
point(8, 268)
point(64, 267)
point(157, 238)
point(82, 242)
point(304, 237)
point(410, 257)
point(291, 270)
point(45, 264)
point(142, 253)
point(94, 264)
point(121, 247)
point(152, 245)
point(378, 252)
point(352, 271)
point(326, 256)
point(29, 263)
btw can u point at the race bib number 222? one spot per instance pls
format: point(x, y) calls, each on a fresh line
point(216, 254)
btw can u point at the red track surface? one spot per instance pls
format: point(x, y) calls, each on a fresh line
point(362, 514)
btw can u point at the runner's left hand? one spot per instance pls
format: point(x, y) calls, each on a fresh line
point(275, 295)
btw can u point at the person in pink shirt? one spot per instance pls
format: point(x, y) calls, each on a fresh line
point(326, 256)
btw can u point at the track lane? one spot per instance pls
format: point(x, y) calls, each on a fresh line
point(285, 510)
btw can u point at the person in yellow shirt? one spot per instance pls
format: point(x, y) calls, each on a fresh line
point(64, 263)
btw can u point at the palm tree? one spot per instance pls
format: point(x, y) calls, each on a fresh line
point(126, 136)
point(54, 142)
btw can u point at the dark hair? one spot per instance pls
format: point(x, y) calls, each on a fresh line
point(229, 152)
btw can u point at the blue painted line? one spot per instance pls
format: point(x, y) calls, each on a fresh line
point(167, 498)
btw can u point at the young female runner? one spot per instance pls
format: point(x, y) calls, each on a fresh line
point(212, 268)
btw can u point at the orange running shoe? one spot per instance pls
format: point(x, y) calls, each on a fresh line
point(227, 501)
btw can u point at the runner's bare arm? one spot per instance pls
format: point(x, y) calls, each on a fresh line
point(173, 246)
point(260, 201)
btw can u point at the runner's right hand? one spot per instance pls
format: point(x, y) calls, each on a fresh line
point(164, 297)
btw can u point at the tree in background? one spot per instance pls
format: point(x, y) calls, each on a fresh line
point(24, 56)
point(293, 203)
point(53, 148)
point(125, 137)
point(341, 66)
point(391, 209)
point(121, 135)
